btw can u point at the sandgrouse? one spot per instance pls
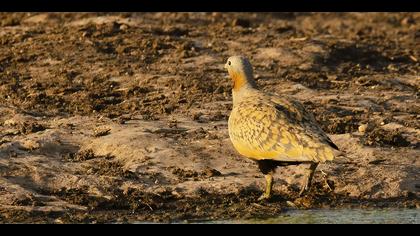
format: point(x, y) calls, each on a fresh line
point(273, 130)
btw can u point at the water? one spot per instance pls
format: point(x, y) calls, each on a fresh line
point(340, 216)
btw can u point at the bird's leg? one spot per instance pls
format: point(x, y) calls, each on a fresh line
point(267, 168)
point(306, 185)
point(268, 186)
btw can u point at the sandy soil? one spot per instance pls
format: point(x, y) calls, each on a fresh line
point(123, 117)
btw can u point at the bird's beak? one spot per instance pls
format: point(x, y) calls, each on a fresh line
point(225, 66)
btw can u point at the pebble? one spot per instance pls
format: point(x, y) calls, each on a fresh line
point(98, 132)
point(362, 128)
point(58, 221)
point(123, 27)
point(291, 204)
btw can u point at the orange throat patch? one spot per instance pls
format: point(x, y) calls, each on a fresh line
point(238, 80)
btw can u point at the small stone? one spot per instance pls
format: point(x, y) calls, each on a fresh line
point(362, 128)
point(58, 221)
point(392, 67)
point(413, 58)
point(98, 132)
point(291, 204)
point(123, 27)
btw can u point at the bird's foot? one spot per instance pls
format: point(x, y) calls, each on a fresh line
point(303, 190)
point(264, 197)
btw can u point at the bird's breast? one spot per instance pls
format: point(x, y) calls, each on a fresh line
point(251, 139)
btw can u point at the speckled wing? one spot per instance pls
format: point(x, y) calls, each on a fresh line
point(276, 128)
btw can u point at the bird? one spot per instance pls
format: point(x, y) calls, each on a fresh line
point(273, 130)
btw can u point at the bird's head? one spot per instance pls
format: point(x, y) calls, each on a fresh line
point(240, 71)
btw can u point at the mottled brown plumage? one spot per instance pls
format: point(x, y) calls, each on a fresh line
point(273, 130)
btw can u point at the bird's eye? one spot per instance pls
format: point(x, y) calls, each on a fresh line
point(229, 63)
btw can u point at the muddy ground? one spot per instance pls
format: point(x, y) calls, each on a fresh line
point(123, 117)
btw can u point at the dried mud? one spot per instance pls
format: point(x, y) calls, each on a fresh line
point(123, 117)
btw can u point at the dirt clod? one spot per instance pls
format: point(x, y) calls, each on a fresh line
point(381, 137)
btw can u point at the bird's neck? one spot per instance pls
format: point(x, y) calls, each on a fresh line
point(241, 93)
point(242, 81)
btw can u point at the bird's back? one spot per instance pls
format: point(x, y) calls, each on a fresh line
point(267, 126)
